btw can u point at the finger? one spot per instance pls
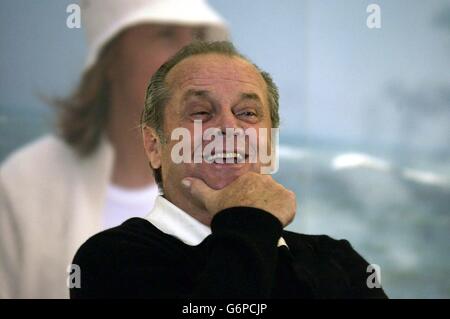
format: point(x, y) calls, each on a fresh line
point(198, 189)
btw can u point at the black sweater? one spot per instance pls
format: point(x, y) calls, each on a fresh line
point(240, 259)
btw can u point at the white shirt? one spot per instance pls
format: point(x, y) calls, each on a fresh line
point(174, 221)
point(122, 204)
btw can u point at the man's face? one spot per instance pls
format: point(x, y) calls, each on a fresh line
point(223, 92)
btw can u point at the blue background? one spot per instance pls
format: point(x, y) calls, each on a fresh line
point(365, 115)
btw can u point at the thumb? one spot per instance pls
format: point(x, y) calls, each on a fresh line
point(199, 190)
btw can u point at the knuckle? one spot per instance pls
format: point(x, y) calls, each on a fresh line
point(244, 178)
point(252, 176)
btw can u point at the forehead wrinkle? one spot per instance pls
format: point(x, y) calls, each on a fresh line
point(196, 94)
point(209, 81)
point(236, 66)
point(204, 74)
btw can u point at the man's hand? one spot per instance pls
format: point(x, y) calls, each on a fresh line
point(249, 190)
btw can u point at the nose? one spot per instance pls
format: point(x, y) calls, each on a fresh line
point(227, 120)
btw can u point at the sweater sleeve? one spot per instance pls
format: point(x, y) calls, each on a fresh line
point(362, 277)
point(242, 255)
point(240, 262)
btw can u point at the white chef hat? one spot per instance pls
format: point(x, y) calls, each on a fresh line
point(104, 19)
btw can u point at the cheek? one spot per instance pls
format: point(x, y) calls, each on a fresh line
point(265, 140)
point(169, 167)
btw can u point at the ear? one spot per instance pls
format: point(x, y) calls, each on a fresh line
point(152, 145)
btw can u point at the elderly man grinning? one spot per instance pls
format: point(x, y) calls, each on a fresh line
point(217, 230)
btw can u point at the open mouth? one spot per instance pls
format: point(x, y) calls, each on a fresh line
point(226, 158)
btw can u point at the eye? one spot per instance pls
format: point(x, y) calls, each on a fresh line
point(201, 115)
point(249, 114)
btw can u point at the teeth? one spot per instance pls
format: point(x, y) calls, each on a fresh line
point(212, 158)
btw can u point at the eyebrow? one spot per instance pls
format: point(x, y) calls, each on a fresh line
point(196, 93)
point(250, 96)
point(206, 95)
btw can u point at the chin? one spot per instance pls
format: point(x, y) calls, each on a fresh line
point(222, 179)
point(219, 184)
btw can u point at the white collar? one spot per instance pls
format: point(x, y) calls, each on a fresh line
point(173, 221)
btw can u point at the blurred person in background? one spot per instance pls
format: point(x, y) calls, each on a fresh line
point(93, 174)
